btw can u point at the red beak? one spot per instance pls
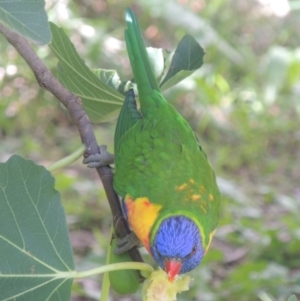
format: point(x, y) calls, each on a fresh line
point(172, 267)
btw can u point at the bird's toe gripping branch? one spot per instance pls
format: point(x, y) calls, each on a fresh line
point(127, 243)
point(99, 160)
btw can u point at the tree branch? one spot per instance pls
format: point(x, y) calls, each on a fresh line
point(73, 104)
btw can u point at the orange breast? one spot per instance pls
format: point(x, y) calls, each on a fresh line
point(141, 216)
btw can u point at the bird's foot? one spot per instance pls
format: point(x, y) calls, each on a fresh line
point(127, 243)
point(98, 160)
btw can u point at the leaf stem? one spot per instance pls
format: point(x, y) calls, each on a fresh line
point(115, 267)
point(106, 282)
point(67, 160)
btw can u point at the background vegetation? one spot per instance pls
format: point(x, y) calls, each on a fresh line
point(243, 104)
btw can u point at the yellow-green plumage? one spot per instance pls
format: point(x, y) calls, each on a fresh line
point(158, 157)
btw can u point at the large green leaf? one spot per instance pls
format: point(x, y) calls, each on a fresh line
point(28, 18)
point(98, 98)
point(187, 58)
point(36, 259)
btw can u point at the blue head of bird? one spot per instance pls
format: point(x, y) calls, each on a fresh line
point(177, 245)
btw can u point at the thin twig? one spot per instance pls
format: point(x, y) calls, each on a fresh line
point(73, 104)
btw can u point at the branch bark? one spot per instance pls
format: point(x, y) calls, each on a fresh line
point(73, 104)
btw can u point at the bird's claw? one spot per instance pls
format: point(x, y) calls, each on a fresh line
point(127, 243)
point(99, 160)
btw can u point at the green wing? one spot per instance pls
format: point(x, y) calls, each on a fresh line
point(128, 117)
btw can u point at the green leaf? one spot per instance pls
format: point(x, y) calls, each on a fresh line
point(36, 261)
point(99, 100)
point(109, 77)
point(28, 18)
point(112, 79)
point(292, 298)
point(187, 58)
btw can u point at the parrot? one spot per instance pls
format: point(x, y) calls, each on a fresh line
point(169, 190)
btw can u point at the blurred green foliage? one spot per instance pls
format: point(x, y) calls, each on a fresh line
point(243, 104)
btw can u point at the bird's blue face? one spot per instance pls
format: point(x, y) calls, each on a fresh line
point(177, 246)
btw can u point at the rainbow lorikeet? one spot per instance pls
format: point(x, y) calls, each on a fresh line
point(169, 188)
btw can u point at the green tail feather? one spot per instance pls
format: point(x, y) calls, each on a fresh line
point(140, 64)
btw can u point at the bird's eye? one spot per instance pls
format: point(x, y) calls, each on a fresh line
point(192, 252)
